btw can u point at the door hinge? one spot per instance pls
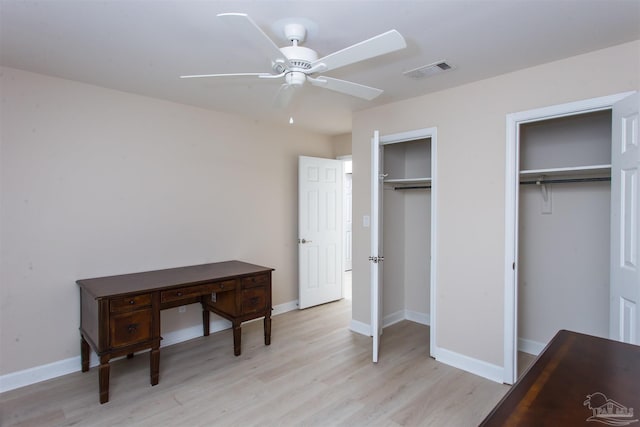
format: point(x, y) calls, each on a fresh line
point(376, 259)
point(513, 266)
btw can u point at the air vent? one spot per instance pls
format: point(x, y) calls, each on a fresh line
point(429, 70)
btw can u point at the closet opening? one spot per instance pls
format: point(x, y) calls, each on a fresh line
point(564, 199)
point(403, 232)
point(563, 229)
point(406, 231)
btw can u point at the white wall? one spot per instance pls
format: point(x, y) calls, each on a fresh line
point(471, 122)
point(97, 182)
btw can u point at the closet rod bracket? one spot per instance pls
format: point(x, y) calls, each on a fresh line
point(543, 188)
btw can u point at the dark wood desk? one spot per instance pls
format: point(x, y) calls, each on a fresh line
point(120, 315)
point(578, 380)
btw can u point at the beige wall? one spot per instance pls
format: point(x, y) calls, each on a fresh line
point(471, 123)
point(97, 182)
point(341, 145)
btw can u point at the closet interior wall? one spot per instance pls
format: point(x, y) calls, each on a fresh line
point(406, 232)
point(564, 241)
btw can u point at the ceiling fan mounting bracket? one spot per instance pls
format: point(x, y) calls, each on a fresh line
point(295, 33)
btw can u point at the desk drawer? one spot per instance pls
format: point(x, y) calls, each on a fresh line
point(130, 327)
point(258, 280)
point(254, 300)
point(129, 303)
point(194, 291)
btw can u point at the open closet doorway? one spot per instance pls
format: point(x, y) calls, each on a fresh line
point(561, 239)
point(403, 225)
point(347, 224)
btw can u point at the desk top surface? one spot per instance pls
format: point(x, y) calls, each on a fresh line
point(101, 287)
point(577, 379)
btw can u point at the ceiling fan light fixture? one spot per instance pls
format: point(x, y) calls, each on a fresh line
point(295, 78)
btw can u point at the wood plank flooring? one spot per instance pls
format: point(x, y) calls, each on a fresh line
point(315, 373)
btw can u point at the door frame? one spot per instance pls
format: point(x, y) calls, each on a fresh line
point(344, 159)
point(412, 135)
point(512, 172)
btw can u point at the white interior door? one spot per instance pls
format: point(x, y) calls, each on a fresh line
point(376, 257)
point(624, 324)
point(319, 230)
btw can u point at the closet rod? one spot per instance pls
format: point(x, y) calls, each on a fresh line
point(412, 187)
point(561, 181)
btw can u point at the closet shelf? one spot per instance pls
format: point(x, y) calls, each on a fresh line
point(568, 171)
point(407, 180)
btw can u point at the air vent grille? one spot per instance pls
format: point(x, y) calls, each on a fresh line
point(429, 70)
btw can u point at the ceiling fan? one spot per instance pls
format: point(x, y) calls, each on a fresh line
point(297, 64)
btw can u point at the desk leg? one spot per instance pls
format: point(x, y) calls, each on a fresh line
point(267, 330)
point(205, 321)
point(155, 365)
point(84, 353)
point(237, 337)
point(103, 378)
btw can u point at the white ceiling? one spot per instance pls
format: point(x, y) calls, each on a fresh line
point(143, 46)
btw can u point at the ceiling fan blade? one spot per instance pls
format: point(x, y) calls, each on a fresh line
point(284, 96)
point(375, 46)
point(258, 75)
point(250, 31)
point(349, 88)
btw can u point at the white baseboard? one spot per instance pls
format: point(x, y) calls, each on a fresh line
point(393, 318)
point(413, 316)
point(469, 364)
point(284, 307)
point(531, 347)
point(360, 328)
point(67, 366)
point(416, 316)
point(39, 373)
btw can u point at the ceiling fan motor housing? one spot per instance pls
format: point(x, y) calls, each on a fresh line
point(300, 59)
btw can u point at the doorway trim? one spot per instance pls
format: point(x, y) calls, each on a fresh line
point(512, 172)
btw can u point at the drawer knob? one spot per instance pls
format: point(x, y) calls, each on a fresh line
point(132, 328)
point(179, 294)
point(132, 302)
point(222, 286)
point(254, 300)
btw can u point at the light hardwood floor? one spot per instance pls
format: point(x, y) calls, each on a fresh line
point(315, 373)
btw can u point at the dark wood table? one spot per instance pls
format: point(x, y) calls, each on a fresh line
point(120, 315)
point(578, 380)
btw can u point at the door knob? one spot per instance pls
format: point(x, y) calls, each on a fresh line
point(304, 241)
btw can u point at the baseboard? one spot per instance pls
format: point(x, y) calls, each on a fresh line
point(469, 364)
point(531, 347)
point(67, 366)
point(284, 307)
point(416, 316)
point(393, 318)
point(413, 316)
point(360, 328)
